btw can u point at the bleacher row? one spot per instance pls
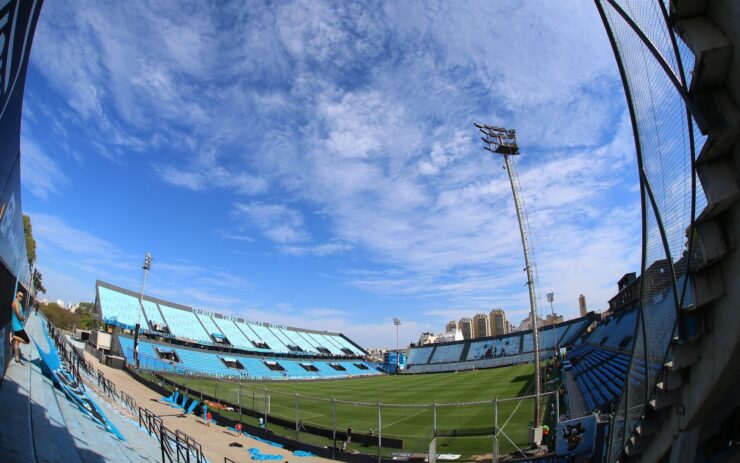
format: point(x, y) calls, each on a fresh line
point(479, 364)
point(599, 365)
point(180, 360)
point(481, 353)
point(615, 332)
point(599, 374)
point(159, 318)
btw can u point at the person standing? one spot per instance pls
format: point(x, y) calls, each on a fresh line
point(19, 334)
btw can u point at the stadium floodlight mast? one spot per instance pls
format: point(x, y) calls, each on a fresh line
point(550, 299)
point(146, 267)
point(502, 141)
point(397, 323)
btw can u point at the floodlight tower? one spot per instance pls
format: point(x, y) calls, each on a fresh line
point(501, 141)
point(397, 323)
point(146, 267)
point(550, 299)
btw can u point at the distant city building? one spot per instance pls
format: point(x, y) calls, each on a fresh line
point(450, 336)
point(451, 326)
point(552, 319)
point(480, 325)
point(628, 294)
point(582, 305)
point(427, 338)
point(465, 325)
point(509, 327)
point(60, 303)
point(527, 325)
point(499, 325)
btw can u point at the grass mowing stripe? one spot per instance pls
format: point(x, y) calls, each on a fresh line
point(414, 427)
point(386, 426)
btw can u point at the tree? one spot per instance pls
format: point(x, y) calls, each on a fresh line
point(30, 241)
point(85, 312)
point(86, 320)
point(38, 282)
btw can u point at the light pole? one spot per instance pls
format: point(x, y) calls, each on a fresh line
point(397, 322)
point(501, 141)
point(147, 266)
point(550, 298)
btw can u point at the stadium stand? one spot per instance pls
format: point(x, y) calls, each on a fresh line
point(617, 331)
point(185, 324)
point(447, 353)
point(267, 336)
point(121, 307)
point(599, 365)
point(159, 357)
point(599, 374)
point(154, 316)
point(490, 352)
point(572, 333)
point(420, 355)
point(233, 333)
point(210, 326)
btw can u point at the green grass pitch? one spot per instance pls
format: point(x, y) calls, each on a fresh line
point(406, 407)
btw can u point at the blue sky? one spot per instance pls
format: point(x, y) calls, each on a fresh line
point(315, 164)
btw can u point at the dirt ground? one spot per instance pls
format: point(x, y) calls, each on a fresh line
point(214, 439)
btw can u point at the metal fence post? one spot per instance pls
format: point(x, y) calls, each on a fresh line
point(380, 429)
point(495, 430)
point(557, 407)
point(296, 416)
point(434, 417)
point(218, 400)
point(333, 425)
point(265, 408)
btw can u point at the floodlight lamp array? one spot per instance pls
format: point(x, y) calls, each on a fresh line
point(498, 140)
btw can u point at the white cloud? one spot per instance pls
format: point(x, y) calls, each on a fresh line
point(363, 116)
point(325, 249)
point(276, 221)
point(40, 173)
point(212, 177)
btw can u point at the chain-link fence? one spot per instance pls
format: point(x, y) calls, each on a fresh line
point(653, 64)
point(375, 428)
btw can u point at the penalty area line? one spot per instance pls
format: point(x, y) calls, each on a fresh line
point(406, 418)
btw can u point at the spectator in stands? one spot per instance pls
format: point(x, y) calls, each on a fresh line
point(19, 334)
point(262, 423)
point(349, 434)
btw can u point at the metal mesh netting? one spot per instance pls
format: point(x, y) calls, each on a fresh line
point(666, 137)
point(386, 429)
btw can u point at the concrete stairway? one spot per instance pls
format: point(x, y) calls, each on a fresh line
point(42, 425)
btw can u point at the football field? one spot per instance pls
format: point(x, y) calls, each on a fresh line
point(403, 407)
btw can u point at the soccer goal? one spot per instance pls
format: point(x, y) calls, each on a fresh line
point(261, 403)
